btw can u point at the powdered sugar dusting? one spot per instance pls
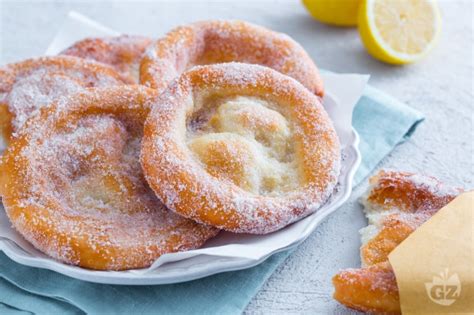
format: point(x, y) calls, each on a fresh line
point(396, 204)
point(208, 197)
point(406, 192)
point(35, 83)
point(434, 186)
point(211, 42)
point(36, 91)
point(76, 190)
point(123, 53)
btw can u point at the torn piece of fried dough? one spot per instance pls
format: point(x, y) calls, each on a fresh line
point(396, 204)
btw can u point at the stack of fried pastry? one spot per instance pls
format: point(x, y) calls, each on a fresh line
point(122, 149)
point(396, 204)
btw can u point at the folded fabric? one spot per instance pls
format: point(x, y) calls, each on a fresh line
point(381, 121)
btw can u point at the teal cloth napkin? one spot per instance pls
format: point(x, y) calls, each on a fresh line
point(381, 121)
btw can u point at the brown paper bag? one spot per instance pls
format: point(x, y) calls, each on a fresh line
point(434, 266)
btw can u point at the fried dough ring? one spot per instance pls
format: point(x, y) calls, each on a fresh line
point(72, 185)
point(210, 42)
point(124, 53)
point(34, 83)
point(396, 204)
point(250, 164)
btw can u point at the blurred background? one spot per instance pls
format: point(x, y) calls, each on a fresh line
point(441, 86)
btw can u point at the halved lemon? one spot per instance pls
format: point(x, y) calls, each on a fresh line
point(399, 31)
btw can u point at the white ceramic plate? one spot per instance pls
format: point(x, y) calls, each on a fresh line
point(227, 251)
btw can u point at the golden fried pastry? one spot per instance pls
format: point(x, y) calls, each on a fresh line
point(210, 42)
point(124, 53)
point(27, 86)
point(72, 184)
point(240, 147)
point(396, 204)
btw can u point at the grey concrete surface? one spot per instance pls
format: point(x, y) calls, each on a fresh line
point(441, 86)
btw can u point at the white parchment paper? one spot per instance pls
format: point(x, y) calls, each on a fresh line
point(342, 93)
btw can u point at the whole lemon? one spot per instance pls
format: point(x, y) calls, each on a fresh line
point(335, 12)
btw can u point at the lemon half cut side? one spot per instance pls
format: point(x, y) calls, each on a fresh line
point(399, 31)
